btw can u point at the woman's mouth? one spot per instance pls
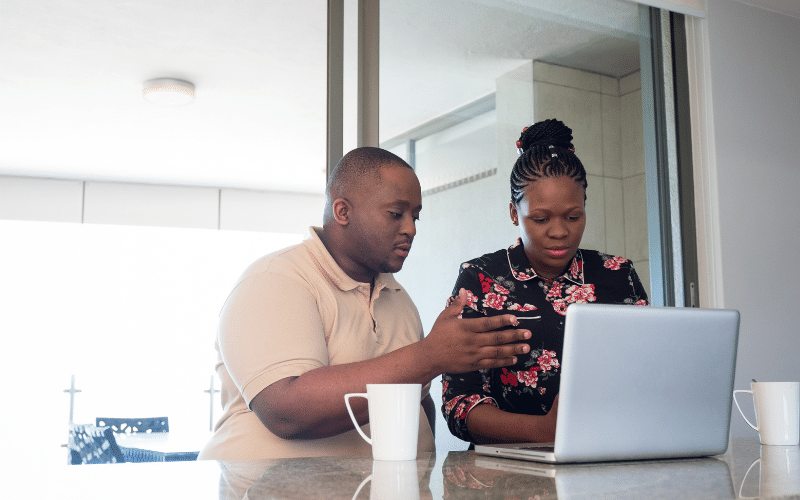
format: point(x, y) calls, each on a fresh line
point(557, 253)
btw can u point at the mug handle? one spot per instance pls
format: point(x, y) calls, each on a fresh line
point(741, 487)
point(739, 407)
point(353, 417)
point(365, 481)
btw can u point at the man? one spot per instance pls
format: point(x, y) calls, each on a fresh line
point(308, 324)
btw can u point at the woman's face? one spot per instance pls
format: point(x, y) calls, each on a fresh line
point(551, 220)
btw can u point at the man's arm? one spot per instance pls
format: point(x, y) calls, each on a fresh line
point(311, 406)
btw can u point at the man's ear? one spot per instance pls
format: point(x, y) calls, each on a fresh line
point(341, 211)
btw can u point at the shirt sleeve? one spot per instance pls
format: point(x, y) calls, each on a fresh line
point(639, 295)
point(270, 329)
point(463, 392)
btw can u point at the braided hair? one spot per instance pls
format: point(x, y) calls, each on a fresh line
point(546, 150)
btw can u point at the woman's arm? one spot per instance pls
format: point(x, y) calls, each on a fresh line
point(489, 424)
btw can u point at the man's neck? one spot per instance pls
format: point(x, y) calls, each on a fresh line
point(335, 248)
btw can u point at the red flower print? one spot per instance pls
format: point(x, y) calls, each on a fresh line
point(614, 263)
point(472, 300)
point(494, 301)
point(508, 378)
point(528, 378)
point(581, 295)
point(640, 302)
point(560, 307)
point(541, 391)
point(448, 407)
point(523, 276)
point(548, 361)
point(576, 268)
point(501, 290)
point(486, 283)
point(555, 291)
point(517, 307)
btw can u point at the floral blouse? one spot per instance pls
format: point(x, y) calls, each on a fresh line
point(503, 282)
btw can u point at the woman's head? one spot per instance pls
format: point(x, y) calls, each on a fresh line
point(548, 193)
point(546, 150)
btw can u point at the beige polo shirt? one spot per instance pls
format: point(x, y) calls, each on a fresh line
point(293, 311)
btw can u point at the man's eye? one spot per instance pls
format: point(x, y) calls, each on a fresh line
point(395, 215)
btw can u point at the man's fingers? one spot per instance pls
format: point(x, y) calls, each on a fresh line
point(493, 322)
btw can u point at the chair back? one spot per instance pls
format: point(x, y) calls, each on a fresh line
point(130, 425)
point(89, 444)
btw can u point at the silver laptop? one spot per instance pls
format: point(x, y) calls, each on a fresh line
point(640, 383)
point(683, 478)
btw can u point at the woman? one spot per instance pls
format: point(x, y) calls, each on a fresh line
point(536, 278)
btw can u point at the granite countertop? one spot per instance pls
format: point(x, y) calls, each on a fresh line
point(747, 468)
point(465, 475)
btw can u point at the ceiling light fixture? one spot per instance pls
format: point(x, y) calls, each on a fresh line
point(168, 92)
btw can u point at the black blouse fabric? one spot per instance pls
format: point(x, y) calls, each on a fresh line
point(504, 283)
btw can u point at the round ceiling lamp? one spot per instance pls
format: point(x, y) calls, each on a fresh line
point(168, 92)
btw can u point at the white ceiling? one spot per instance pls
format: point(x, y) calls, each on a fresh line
point(71, 73)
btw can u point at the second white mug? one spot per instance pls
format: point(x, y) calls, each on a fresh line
point(777, 406)
point(393, 419)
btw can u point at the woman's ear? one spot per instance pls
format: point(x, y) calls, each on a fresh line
point(512, 208)
point(341, 211)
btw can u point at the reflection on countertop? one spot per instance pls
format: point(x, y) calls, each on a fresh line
point(747, 469)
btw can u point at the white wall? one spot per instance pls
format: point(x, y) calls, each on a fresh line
point(92, 202)
point(755, 88)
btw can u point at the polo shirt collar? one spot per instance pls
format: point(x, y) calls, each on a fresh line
point(522, 270)
point(328, 266)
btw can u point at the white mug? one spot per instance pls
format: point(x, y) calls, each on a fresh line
point(393, 419)
point(392, 481)
point(777, 406)
point(780, 472)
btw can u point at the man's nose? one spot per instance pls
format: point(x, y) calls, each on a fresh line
point(409, 226)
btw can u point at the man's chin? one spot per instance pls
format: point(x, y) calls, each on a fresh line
point(392, 267)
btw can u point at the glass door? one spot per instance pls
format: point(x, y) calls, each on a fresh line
point(459, 81)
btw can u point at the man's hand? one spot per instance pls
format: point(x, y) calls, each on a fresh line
point(456, 345)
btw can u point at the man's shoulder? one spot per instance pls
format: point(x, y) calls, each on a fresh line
point(293, 260)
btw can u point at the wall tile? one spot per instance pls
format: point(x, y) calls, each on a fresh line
point(612, 136)
point(631, 133)
point(514, 110)
point(568, 77)
point(582, 112)
point(594, 237)
point(274, 212)
point(630, 83)
point(151, 205)
point(609, 86)
point(635, 208)
point(35, 199)
point(615, 218)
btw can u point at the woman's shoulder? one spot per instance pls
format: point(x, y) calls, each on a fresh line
point(605, 260)
point(487, 260)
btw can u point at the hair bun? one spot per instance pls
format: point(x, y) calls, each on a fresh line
point(550, 132)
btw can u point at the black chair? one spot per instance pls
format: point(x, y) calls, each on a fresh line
point(89, 444)
point(130, 425)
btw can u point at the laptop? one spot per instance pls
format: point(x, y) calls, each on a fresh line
point(640, 383)
point(682, 478)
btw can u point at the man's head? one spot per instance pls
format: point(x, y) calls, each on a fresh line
point(373, 203)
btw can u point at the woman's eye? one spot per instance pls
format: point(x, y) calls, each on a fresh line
point(540, 220)
point(395, 215)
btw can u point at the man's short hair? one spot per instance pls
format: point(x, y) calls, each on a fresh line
point(358, 169)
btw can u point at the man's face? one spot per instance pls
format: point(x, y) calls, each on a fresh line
point(383, 220)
